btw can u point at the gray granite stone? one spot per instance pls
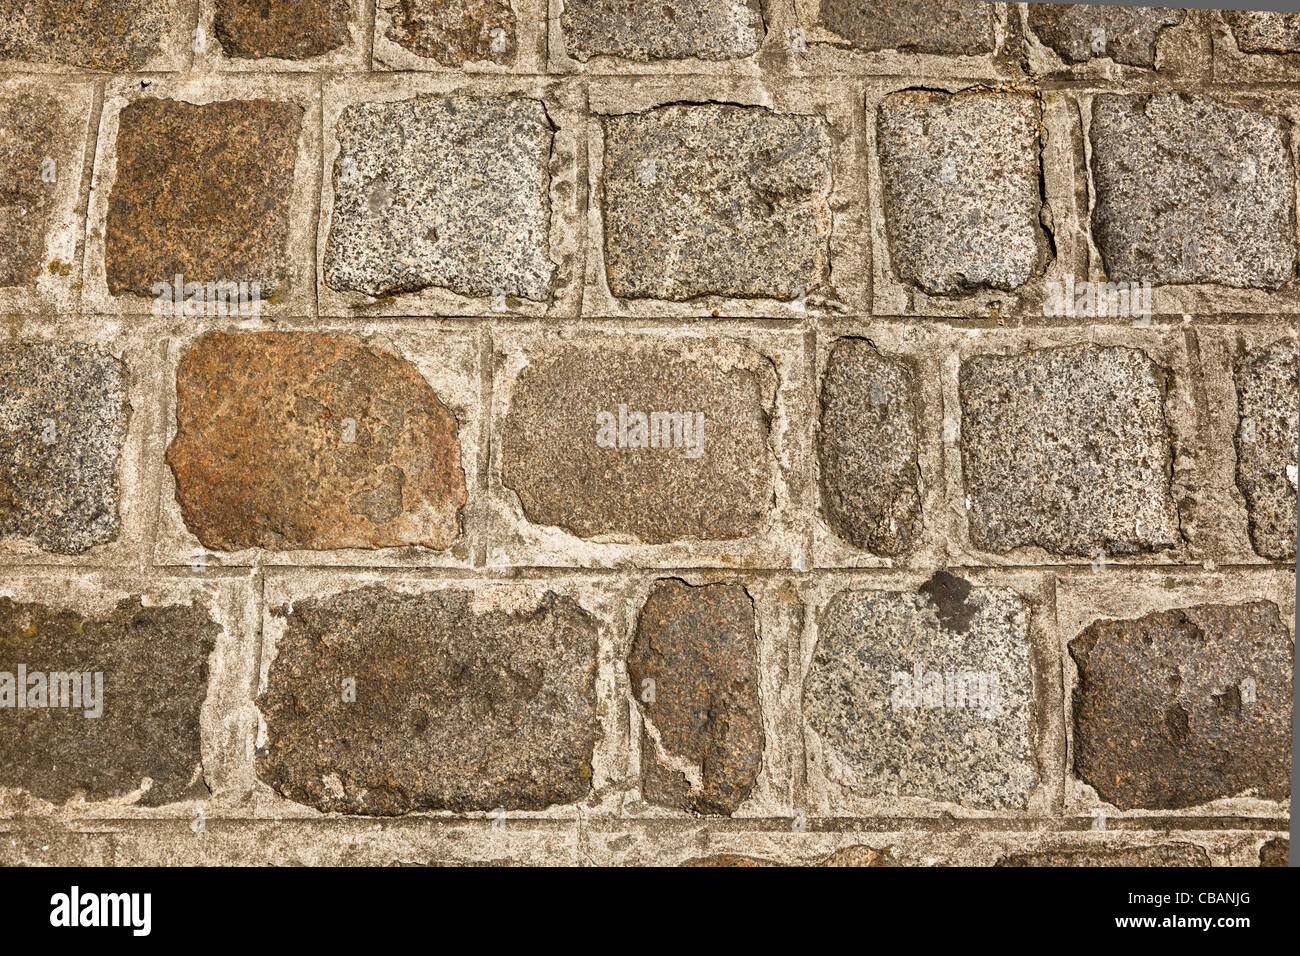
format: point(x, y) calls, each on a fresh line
point(1262, 31)
point(1267, 435)
point(960, 179)
point(63, 421)
point(451, 193)
point(1067, 449)
point(1078, 32)
point(662, 29)
point(964, 732)
point(920, 26)
point(1192, 190)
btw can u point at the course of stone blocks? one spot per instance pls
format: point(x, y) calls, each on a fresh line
point(709, 432)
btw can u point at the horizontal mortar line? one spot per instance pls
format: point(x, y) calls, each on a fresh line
point(601, 823)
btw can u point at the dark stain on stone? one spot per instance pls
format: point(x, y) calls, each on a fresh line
point(949, 593)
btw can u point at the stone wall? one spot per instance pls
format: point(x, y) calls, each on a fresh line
point(690, 431)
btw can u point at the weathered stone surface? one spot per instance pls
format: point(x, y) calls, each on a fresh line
point(1267, 435)
point(153, 663)
point(288, 29)
point(919, 26)
point(1259, 31)
point(455, 32)
point(714, 199)
point(28, 137)
point(118, 35)
point(849, 856)
point(63, 420)
point(303, 440)
point(964, 731)
point(1275, 852)
point(456, 707)
point(867, 446)
point(442, 192)
point(1180, 707)
point(693, 668)
point(662, 29)
point(201, 191)
point(1166, 854)
point(1067, 449)
point(960, 177)
point(1079, 32)
point(1192, 190)
point(707, 479)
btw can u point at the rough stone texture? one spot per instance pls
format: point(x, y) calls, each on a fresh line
point(456, 708)
point(920, 26)
point(96, 34)
point(716, 199)
point(442, 192)
point(288, 29)
point(262, 457)
point(976, 750)
point(1192, 190)
point(867, 445)
point(702, 747)
point(28, 136)
point(662, 29)
point(455, 32)
point(201, 191)
point(154, 662)
point(1127, 34)
point(1267, 436)
point(849, 856)
point(1257, 31)
point(960, 177)
point(552, 461)
point(1166, 854)
point(1275, 852)
point(1067, 449)
point(1162, 712)
point(63, 420)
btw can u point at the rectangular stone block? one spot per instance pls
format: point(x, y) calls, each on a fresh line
point(429, 697)
point(1268, 429)
point(320, 446)
point(203, 197)
point(644, 30)
point(947, 27)
point(1191, 189)
point(44, 147)
point(449, 196)
point(111, 35)
point(460, 35)
point(282, 35)
point(1078, 33)
point(644, 448)
point(122, 691)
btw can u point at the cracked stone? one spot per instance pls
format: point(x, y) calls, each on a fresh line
point(1257, 31)
point(288, 29)
point(1067, 449)
point(201, 191)
point(1266, 440)
point(291, 440)
point(63, 421)
point(662, 29)
point(456, 706)
point(1079, 32)
point(715, 199)
point(646, 441)
point(455, 32)
point(867, 445)
point(29, 136)
point(960, 178)
point(693, 668)
point(919, 26)
point(1192, 190)
point(927, 694)
point(153, 667)
point(116, 35)
point(1170, 854)
point(1180, 707)
point(450, 192)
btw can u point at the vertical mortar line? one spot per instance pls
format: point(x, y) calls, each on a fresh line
point(485, 443)
point(319, 197)
point(1063, 767)
point(89, 161)
point(369, 24)
point(584, 188)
